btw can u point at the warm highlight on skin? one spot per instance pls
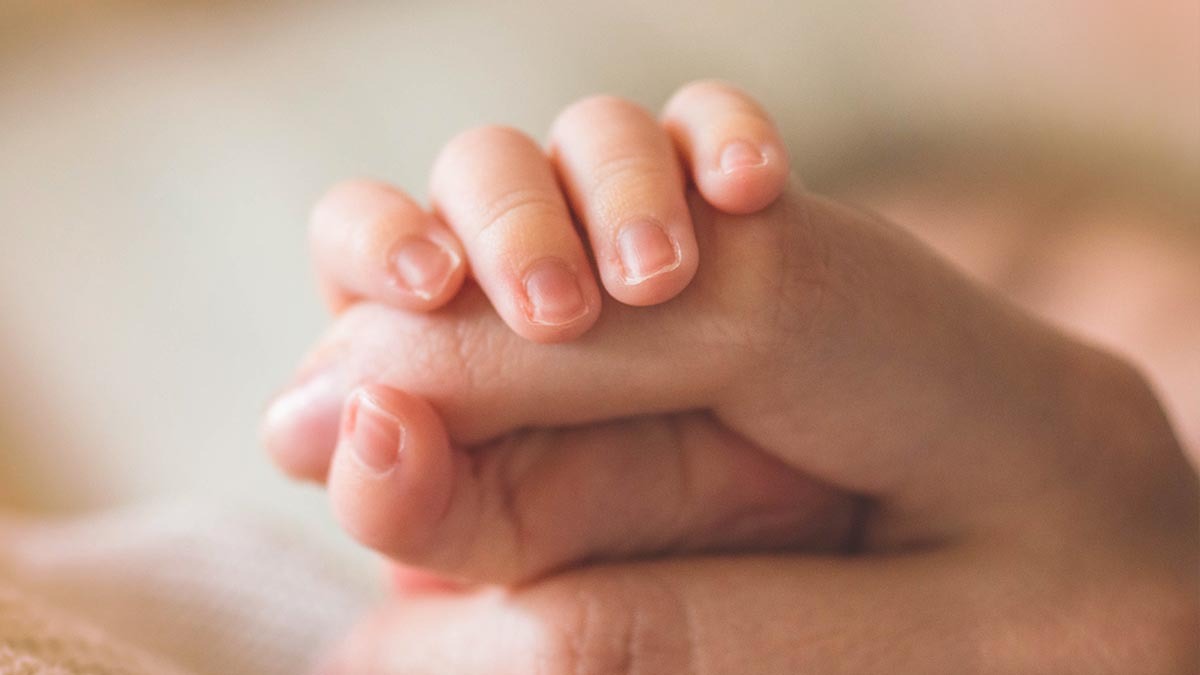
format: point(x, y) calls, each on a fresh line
point(825, 383)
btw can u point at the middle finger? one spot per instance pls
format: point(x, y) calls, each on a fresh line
point(495, 187)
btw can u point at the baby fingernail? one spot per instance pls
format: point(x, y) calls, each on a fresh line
point(376, 435)
point(739, 155)
point(423, 267)
point(555, 298)
point(646, 251)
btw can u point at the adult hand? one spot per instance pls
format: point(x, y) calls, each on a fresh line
point(1031, 510)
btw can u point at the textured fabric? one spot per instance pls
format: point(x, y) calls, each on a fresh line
point(168, 589)
point(35, 640)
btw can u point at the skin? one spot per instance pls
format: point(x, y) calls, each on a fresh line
point(497, 204)
point(914, 475)
point(1116, 265)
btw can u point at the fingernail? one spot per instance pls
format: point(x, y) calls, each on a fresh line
point(555, 298)
point(423, 267)
point(375, 434)
point(646, 251)
point(739, 155)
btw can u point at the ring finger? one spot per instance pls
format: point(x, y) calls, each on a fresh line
point(495, 187)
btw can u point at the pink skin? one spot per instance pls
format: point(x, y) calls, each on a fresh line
point(370, 240)
point(498, 209)
point(356, 219)
point(721, 422)
point(357, 226)
point(1066, 459)
point(622, 176)
point(506, 512)
point(1095, 604)
point(738, 160)
point(596, 432)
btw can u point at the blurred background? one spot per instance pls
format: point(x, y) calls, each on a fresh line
point(157, 161)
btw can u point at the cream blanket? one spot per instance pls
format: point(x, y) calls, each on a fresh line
point(165, 590)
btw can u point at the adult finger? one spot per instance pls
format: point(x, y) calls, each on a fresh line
point(540, 501)
point(922, 613)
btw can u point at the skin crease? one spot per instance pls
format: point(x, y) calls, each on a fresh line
point(1067, 480)
point(997, 497)
point(501, 200)
point(1114, 268)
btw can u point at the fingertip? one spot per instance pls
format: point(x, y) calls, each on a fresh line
point(392, 472)
point(337, 197)
point(745, 176)
point(496, 190)
point(371, 240)
point(300, 426)
point(427, 271)
point(733, 150)
point(556, 302)
point(654, 263)
point(622, 175)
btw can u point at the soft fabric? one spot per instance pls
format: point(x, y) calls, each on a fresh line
point(168, 589)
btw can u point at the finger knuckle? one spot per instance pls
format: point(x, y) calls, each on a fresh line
point(630, 170)
point(618, 627)
point(742, 122)
point(762, 308)
point(457, 353)
point(513, 493)
point(521, 205)
point(432, 356)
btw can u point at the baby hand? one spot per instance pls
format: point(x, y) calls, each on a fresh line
point(507, 210)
